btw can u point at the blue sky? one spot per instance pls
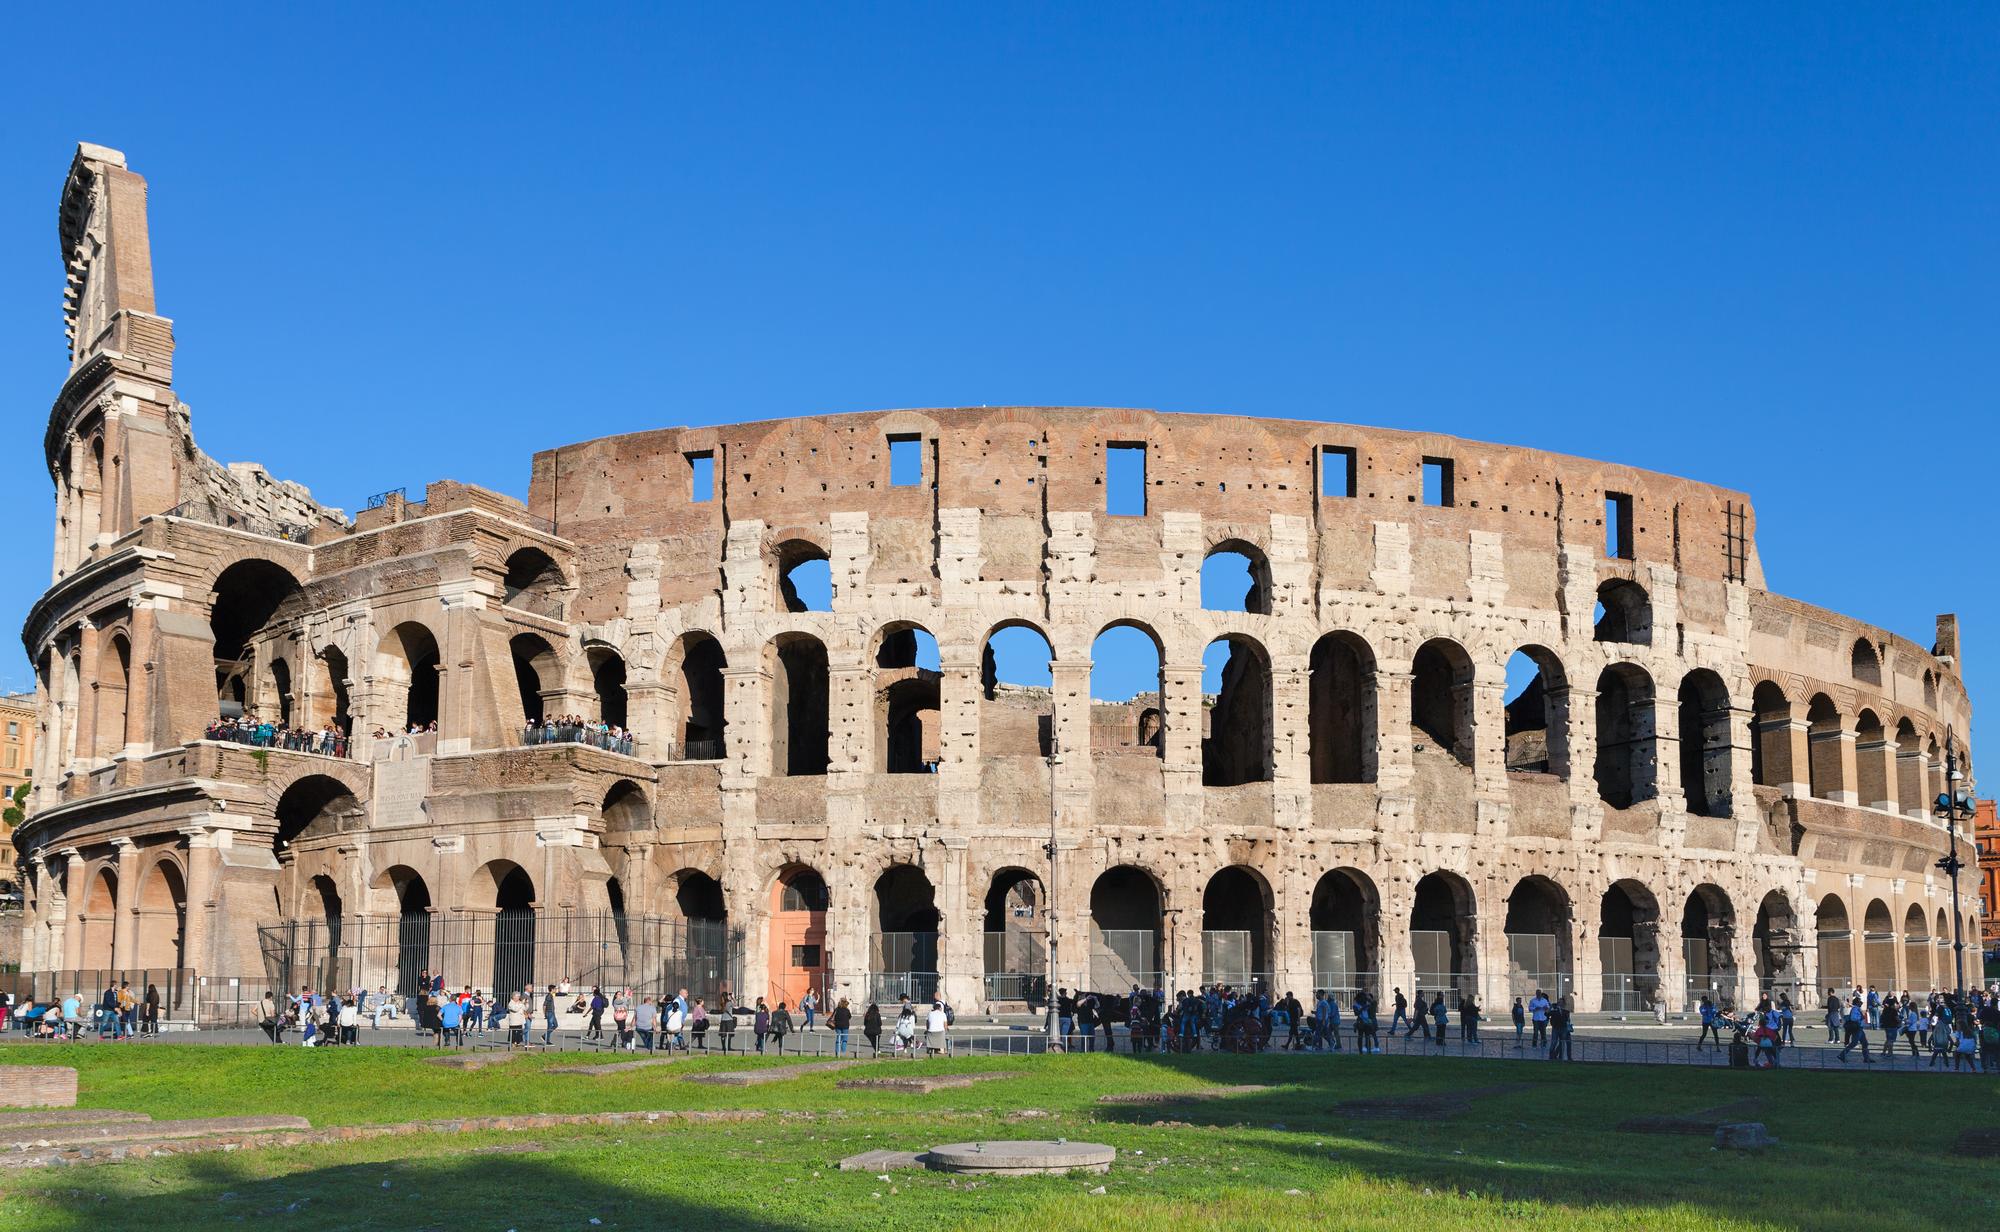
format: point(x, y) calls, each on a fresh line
point(1754, 247)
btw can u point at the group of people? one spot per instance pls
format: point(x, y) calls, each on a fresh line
point(328, 741)
point(120, 1012)
point(1960, 1036)
point(575, 729)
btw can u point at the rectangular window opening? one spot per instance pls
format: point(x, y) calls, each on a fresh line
point(906, 461)
point(1618, 525)
point(701, 477)
point(1336, 472)
point(1125, 478)
point(1438, 483)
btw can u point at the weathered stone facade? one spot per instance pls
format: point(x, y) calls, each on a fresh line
point(1711, 786)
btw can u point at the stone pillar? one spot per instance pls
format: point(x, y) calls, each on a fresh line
point(1291, 764)
point(86, 717)
point(961, 941)
point(74, 894)
point(140, 693)
point(747, 718)
point(201, 870)
point(1395, 756)
point(1182, 714)
point(649, 711)
point(1292, 963)
point(1489, 730)
point(125, 915)
point(850, 715)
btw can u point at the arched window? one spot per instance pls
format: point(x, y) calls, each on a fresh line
point(799, 699)
point(1537, 714)
point(1827, 777)
point(907, 704)
point(1341, 715)
point(534, 583)
point(1867, 665)
point(1441, 698)
point(1624, 613)
point(1017, 694)
point(805, 577)
point(1126, 680)
point(537, 673)
point(701, 719)
point(607, 678)
point(1235, 577)
point(409, 655)
point(1704, 743)
point(1236, 694)
point(1873, 768)
point(1627, 752)
point(1771, 737)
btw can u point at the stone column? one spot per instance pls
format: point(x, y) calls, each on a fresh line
point(1395, 756)
point(1489, 730)
point(201, 861)
point(140, 689)
point(1182, 713)
point(747, 719)
point(649, 711)
point(86, 717)
point(125, 916)
point(1291, 756)
point(73, 899)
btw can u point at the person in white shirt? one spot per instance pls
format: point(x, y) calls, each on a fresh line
point(350, 1022)
point(935, 1039)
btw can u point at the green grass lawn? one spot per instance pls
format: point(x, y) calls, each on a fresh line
point(1859, 1150)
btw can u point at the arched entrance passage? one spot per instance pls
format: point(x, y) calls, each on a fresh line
point(1708, 933)
point(321, 910)
point(1834, 937)
point(1878, 947)
point(1125, 916)
point(903, 952)
point(162, 927)
point(1340, 722)
point(537, 674)
point(607, 679)
point(513, 926)
point(1443, 921)
point(1441, 701)
point(799, 694)
point(799, 958)
point(698, 959)
point(249, 597)
point(409, 662)
point(1346, 933)
point(1540, 957)
point(1628, 946)
point(1016, 938)
point(1236, 930)
point(1777, 946)
point(413, 926)
point(1918, 977)
point(100, 908)
point(701, 712)
point(1236, 748)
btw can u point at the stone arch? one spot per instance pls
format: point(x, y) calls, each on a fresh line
point(410, 663)
point(1537, 718)
point(114, 691)
point(512, 893)
point(1918, 976)
point(333, 661)
point(1873, 770)
point(1346, 922)
point(1834, 942)
point(1624, 613)
point(801, 571)
point(247, 598)
point(161, 930)
point(538, 675)
point(1708, 950)
point(1127, 913)
point(1104, 688)
point(626, 807)
point(799, 704)
point(1441, 697)
point(1444, 943)
point(1628, 943)
point(1540, 940)
point(1016, 937)
point(607, 681)
point(907, 700)
point(534, 582)
point(1236, 577)
point(98, 921)
point(408, 898)
point(800, 956)
point(1237, 748)
point(1017, 716)
point(1341, 709)
point(1627, 741)
point(1705, 743)
point(698, 661)
point(1237, 929)
point(1865, 664)
point(1771, 736)
point(1878, 946)
point(1826, 776)
point(314, 806)
point(1778, 943)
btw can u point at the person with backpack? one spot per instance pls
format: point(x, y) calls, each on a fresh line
point(1402, 1014)
point(1892, 1022)
point(1440, 1016)
point(1856, 1025)
point(843, 1018)
point(906, 1028)
point(760, 1024)
point(781, 1026)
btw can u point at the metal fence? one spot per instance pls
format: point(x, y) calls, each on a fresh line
point(1016, 965)
point(504, 951)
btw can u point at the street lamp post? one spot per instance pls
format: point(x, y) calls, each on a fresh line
point(1953, 808)
point(1052, 1027)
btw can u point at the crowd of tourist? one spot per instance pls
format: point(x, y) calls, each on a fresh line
point(574, 729)
point(328, 741)
point(120, 1012)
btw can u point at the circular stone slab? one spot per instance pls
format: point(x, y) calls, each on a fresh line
point(1029, 1158)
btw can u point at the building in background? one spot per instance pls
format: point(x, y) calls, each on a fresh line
point(1986, 832)
point(17, 739)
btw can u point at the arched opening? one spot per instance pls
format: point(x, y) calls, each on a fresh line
point(1872, 768)
point(413, 927)
point(100, 910)
point(1834, 941)
point(1778, 944)
point(702, 722)
point(321, 908)
point(534, 583)
point(607, 680)
point(1540, 957)
point(1878, 947)
point(626, 808)
point(1441, 699)
point(1867, 666)
point(1340, 720)
point(1624, 613)
point(799, 693)
point(1236, 921)
point(1126, 684)
point(1705, 743)
point(1930, 690)
point(1346, 920)
point(337, 684)
point(513, 926)
point(314, 807)
point(1016, 938)
point(281, 690)
point(1941, 957)
point(805, 577)
point(705, 967)
point(1771, 737)
point(1236, 688)
point(800, 958)
point(1708, 932)
point(1125, 916)
point(1917, 974)
point(537, 674)
point(114, 690)
point(162, 926)
point(1933, 775)
point(1017, 694)
point(904, 957)
point(1627, 757)
point(906, 700)
point(1235, 577)
point(1443, 948)
point(1537, 714)
point(1828, 779)
point(1628, 946)
point(249, 598)
point(410, 657)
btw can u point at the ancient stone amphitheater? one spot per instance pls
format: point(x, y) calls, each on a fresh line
point(831, 781)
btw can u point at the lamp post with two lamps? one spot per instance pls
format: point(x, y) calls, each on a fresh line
point(1953, 806)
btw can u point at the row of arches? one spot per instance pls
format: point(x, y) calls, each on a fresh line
point(1819, 751)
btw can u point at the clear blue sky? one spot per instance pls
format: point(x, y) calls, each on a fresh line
point(1756, 248)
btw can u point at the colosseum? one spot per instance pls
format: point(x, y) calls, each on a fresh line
point(725, 706)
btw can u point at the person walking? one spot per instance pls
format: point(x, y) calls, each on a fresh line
point(808, 1006)
point(267, 1018)
point(1710, 1024)
point(781, 1026)
point(1538, 1013)
point(1521, 1025)
point(1892, 1024)
point(1440, 1016)
point(760, 1025)
point(549, 1015)
point(1856, 1025)
point(1835, 1014)
point(595, 1029)
point(1402, 1013)
point(1559, 1029)
point(1785, 1015)
point(871, 1028)
point(842, 1019)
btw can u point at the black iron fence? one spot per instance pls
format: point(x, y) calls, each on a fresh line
point(504, 951)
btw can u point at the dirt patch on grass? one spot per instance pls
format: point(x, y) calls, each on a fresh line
point(1979, 1143)
point(1425, 1106)
point(1147, 1098)
point(1701, 1123)
point(922, 1085)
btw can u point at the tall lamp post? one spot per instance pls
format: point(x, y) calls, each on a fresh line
point(1953, 807)
point(1052, 1028)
